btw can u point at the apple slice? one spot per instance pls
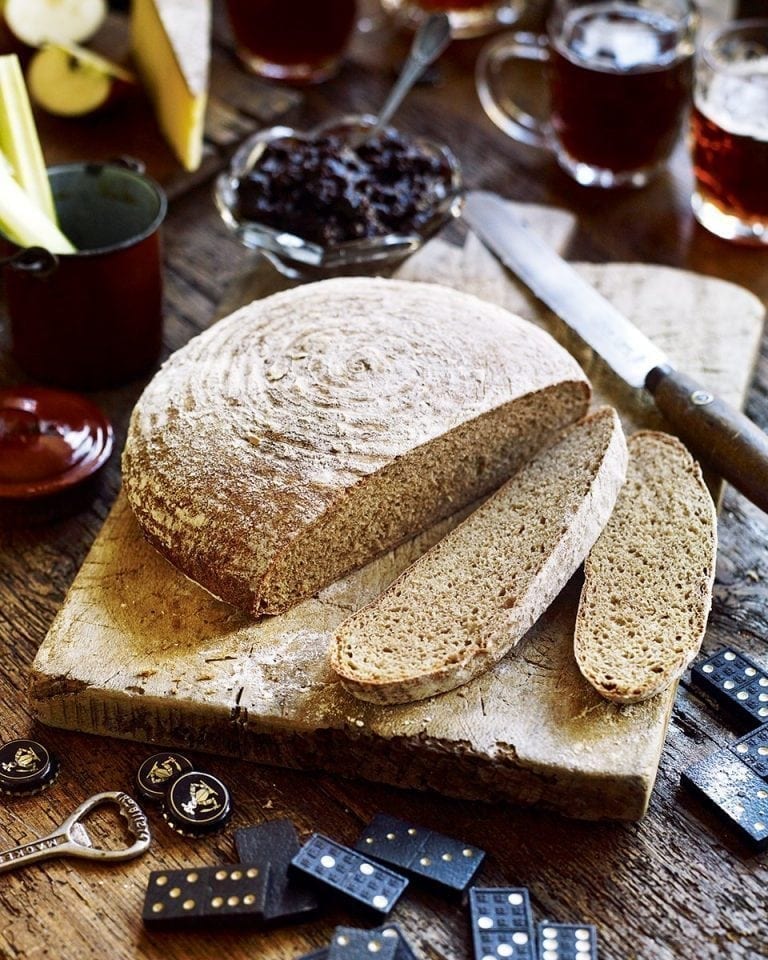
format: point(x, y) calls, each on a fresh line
point(35, 22)
point(9, 42)
point(69, 81)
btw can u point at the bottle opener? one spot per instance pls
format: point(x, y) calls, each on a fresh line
point(71, 838)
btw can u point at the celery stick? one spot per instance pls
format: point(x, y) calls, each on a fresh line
point(18, 136)
point(22, 221)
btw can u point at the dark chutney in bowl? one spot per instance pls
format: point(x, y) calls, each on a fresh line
point(331, 199)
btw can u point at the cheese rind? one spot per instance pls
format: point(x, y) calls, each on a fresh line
point(172, 48)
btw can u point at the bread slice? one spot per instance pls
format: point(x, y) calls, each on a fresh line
point(648, 579)
point(464, 603)
point(313, 430)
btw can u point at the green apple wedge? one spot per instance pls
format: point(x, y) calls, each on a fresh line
point(19, 142)
point(69, 81)
point(22, 220)
point(34, 22)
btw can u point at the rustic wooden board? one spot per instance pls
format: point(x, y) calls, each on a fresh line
point(138, 651)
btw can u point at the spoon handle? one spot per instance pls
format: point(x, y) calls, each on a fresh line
point(431, 39)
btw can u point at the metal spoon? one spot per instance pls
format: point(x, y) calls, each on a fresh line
point(431, 39)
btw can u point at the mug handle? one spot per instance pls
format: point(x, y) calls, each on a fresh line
point(499, 106)
point(37, 261)
point(130, 163)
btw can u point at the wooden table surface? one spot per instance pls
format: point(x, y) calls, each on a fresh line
point(676, 885)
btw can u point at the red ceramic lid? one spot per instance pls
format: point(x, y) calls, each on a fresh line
point(49, 440)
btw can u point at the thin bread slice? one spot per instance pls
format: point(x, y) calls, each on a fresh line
point(648, 579)
point(467, 601)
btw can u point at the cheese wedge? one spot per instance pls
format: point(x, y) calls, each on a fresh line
point(171, 42)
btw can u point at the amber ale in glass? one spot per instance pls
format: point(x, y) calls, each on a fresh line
point(730, 133)
point(620, 84)
point(619, 74)
point(299, 41)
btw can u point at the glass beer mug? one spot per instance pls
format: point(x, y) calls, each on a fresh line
point(730, 133)
point(297, 41)
point(620, 77)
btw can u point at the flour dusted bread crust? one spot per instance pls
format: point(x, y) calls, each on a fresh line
point(648, 579)
point(308, 432)
point(457, 610)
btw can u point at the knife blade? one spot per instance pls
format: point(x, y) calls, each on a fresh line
point(717, 433)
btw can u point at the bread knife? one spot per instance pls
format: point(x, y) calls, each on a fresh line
point(716, 433)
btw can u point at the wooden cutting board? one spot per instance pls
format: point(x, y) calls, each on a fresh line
point(139, 651)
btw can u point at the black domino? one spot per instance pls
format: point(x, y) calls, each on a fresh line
point(175, 895)
point(566, 941)
point(348, 943)
point(424, 854)
point(501, 923)
point(736, 682)
point(276, 843)
point(725, 783)
point(343, 870)
point(197, 894)
point(404, 949)
point(753, 750)
point(752, 700)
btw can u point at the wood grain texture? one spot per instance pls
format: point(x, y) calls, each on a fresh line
point(674, 886)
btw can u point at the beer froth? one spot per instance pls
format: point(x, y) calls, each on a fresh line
point(737, 101)
point(619, 38)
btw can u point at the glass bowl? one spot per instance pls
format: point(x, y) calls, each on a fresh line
point(296, 256)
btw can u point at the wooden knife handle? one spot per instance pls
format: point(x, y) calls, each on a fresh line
point(719, 435)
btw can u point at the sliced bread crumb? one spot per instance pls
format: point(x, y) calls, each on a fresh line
point(648, 579)
point(465, 603)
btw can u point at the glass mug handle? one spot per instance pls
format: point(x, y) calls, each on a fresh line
point(499, 106)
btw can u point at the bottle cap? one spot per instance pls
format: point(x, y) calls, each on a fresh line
point(26, 767)
point(197, 804)
point(158, 772)
point(49, 440)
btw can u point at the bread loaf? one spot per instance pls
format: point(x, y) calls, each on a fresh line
point(457, 610)
point(648, 579)
point(311, 431)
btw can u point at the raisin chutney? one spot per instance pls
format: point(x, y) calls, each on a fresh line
point(328, 192)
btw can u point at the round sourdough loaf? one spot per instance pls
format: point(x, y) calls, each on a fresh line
point(309, 432)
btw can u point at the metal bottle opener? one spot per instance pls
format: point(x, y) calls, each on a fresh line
point(71, 838)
